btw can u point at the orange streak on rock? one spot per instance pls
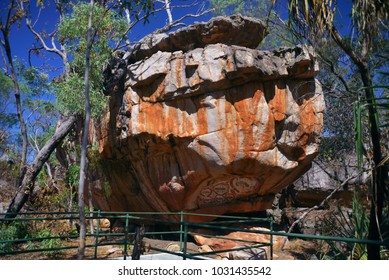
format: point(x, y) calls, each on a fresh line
point(230, 132)
point(202, 124)
point(278, 104)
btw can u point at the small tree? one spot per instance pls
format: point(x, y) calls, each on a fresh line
point(13, 16)
point(85, 138)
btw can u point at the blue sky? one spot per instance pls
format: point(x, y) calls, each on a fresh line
point(22, 39)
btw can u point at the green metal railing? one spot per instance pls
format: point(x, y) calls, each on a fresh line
point(179, 224)
point(173, 220)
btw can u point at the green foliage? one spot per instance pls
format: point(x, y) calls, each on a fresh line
point(5, 86)
point(346, 112)
point(7, 119)
point(72, 32)
point(94, 157)
point(6, 83)
point(70, 96)
point(74, 175)
point(136, 7)
point(230, 7)
point(360, 221)
point(48, 241)
point(347, 224)
point(12, 231)
point(263, 9)
point(42, 178)
point(37, 104)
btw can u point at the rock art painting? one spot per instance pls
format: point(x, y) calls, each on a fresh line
point(220, 191)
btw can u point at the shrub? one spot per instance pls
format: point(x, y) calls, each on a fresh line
point(10, 232)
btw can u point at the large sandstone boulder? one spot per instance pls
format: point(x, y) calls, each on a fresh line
point(214, 128)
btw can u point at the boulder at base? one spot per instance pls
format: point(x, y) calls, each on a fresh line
point(216, 127)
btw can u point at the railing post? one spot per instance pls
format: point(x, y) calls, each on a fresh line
point(271, 238)
point(185, 239)
point(125, 238)
point(97, 233)
point(181, 228)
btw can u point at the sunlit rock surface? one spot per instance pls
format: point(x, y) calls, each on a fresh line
point(214, 127)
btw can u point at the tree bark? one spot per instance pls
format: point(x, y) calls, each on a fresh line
point(85, 138)
point(32, 172)
point(90, 202)
point(138, 242)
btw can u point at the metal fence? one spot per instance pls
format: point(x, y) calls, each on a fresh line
point(178, 226)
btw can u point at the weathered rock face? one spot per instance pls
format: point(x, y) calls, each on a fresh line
point(214, 128)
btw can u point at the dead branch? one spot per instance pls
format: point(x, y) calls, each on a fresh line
point(166, 28)
point(178, 21)
point(168, 9)
point(321, 205)
point(61, 52)
point(27, 184)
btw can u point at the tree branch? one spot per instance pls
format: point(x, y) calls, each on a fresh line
point(167, 9)
point(33, 50)
point(8, 21)
point(333, 70)
point(35, 141)
point(342, 44)
point(42, 41)
point(27, 184)
point(168, 26)
point(54, 49)
point(163, 29)
point(132, 24)
point(333, 177)
point(176, 22)
point(321, 205)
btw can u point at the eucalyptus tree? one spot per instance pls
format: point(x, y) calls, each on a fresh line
point(26, 185)
point(13, 16)
point(24, 86)
point(317, 20)
point(91, 33)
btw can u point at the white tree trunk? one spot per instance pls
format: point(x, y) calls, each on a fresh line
point(85, 138)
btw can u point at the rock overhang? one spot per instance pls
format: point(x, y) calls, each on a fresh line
point(212, 128)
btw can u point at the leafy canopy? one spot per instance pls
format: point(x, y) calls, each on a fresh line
point(7, 119)
point(108, 27)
